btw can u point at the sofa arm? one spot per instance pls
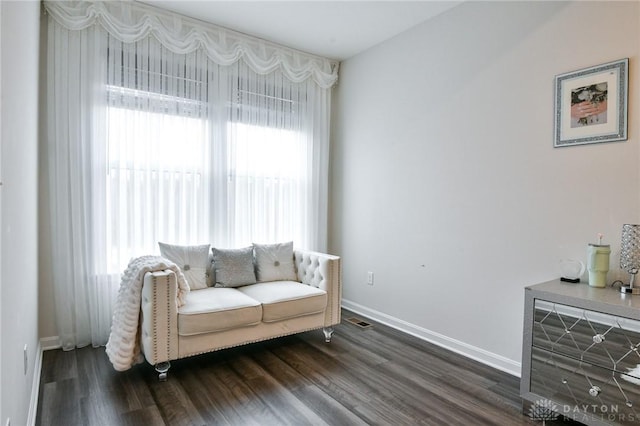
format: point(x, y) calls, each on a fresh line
point(159, 311)
point(323, 271)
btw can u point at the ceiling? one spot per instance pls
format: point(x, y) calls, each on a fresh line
point(333, 29)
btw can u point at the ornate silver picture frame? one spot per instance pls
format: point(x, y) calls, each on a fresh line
point(591, 104)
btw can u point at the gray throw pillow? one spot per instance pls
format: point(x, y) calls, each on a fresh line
point(274, 262)
point(233, 267)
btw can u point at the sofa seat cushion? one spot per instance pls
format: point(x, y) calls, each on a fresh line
point(215, 309)
point(286, 299)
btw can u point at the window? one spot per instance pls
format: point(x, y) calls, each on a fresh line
point(266, 173)
point(161, 176)
point(158, 174)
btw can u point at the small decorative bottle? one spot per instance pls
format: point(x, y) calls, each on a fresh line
point(598, 263)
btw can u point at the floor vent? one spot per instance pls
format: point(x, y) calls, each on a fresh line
point(360, 323)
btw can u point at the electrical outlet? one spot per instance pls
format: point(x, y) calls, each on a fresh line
point(370, 278)
point(26, 360)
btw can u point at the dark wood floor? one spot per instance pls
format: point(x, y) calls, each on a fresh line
point(375, 375)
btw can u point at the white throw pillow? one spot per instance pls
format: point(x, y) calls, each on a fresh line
point(193, 261)
point(274, 262)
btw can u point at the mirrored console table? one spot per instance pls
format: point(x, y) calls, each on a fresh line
point(581, 354)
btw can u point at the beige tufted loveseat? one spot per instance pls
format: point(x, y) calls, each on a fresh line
point(217, 318)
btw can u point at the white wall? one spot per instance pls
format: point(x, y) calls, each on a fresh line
point(0, 213)
point(445, 181)
point(47, 325)
point(19, 248)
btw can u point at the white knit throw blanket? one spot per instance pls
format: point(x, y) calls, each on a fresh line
point(123, 347)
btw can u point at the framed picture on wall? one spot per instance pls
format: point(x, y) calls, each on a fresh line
point(591, 105)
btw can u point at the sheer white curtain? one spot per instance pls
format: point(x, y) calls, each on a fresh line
point(271, 160)
point(150, 140)
point(76, 103)
point(159, 157)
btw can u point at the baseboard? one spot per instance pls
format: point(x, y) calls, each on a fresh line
point(49, 343)
point(35, 387)
point(45, 344)
point(489, 358)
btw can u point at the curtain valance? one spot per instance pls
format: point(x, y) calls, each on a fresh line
point(131, 22)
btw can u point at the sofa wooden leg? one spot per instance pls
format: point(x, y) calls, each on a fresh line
point(163, 368)
point(328, 332)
